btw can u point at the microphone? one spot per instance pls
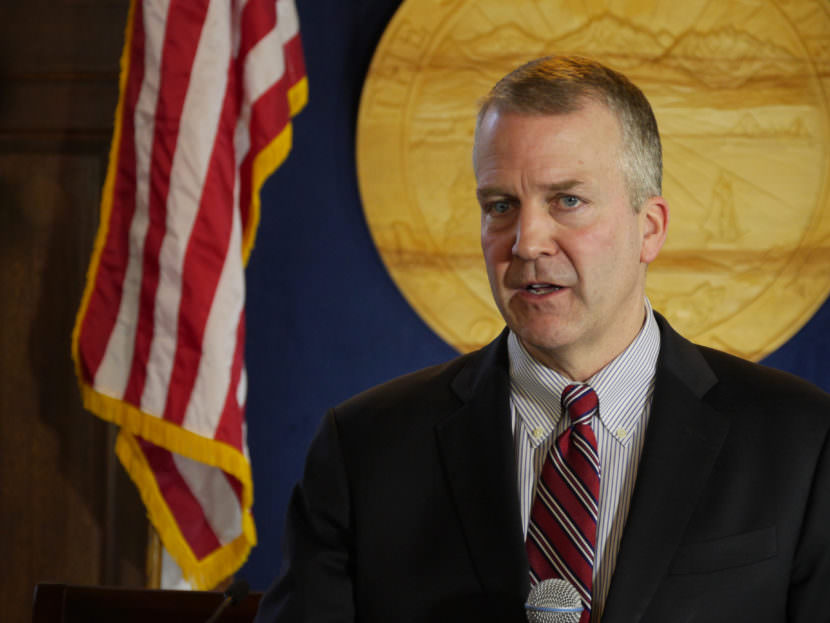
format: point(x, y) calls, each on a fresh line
point(553, 601)
point(236, 592)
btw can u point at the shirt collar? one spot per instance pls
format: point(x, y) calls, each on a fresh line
point(623, 387)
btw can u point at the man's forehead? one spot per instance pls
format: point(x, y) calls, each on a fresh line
point(509, 138)
point(495, 118)
point(497, 110)
point(541, 107)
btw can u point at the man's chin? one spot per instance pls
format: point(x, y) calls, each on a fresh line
point(543, 343)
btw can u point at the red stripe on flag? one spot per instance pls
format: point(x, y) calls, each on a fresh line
point(269, 115)
point(245, 189)
point(180, 500)
point(294, 60)
point(259, 17)
point(102, 307)
point(235, 485)
point(185, 19)
point(229, 429)
point(205, 258)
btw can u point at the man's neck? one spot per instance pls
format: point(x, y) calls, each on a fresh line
point(579, 363)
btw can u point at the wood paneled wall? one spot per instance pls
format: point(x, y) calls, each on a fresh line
point(68, 513)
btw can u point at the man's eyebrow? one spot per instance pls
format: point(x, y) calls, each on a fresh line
point(564, 185)
point(486, 192)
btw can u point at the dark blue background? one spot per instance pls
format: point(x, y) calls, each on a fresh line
point(325, 320)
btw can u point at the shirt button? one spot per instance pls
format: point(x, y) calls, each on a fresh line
point(538, 432)
point(621, 434)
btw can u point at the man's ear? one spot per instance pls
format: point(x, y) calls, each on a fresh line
point(654, 224)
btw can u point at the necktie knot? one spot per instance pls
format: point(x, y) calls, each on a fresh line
point(580, 402)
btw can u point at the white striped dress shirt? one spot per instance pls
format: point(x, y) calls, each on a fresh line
point(624, 388)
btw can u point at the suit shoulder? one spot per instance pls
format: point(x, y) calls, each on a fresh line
point(412, 386)
point(759, 384)
point(428, 394)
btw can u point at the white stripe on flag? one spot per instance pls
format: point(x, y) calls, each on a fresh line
point(114, 371)
point(288, 24)
point(219, 343)
point(210, 487)
point(194, 148)
point(264, 66)
point(236, 29)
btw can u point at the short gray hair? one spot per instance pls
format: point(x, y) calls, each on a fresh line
point(558, 85)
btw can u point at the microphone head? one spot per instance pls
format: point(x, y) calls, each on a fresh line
point(237, 591)
point(553, 601)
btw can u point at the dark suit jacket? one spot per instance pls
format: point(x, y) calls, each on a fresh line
point(408, 508)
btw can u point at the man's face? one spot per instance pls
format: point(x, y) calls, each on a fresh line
point(565, 251)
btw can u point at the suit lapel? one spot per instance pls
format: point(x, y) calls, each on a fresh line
point(683, 440)
point(477, 450)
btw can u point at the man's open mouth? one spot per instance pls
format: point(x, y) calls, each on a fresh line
point(542, 288)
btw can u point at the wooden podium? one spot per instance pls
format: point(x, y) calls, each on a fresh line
point(64, 603)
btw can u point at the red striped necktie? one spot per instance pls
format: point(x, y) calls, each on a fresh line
point(562, 534)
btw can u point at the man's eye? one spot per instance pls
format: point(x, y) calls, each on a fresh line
point(570, 201)
point(498, 207)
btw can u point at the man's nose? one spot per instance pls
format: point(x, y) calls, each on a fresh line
point(535, 234)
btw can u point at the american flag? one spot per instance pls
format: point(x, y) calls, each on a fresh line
point(207, 92)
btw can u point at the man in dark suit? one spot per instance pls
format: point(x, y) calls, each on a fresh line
point(421, 498)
